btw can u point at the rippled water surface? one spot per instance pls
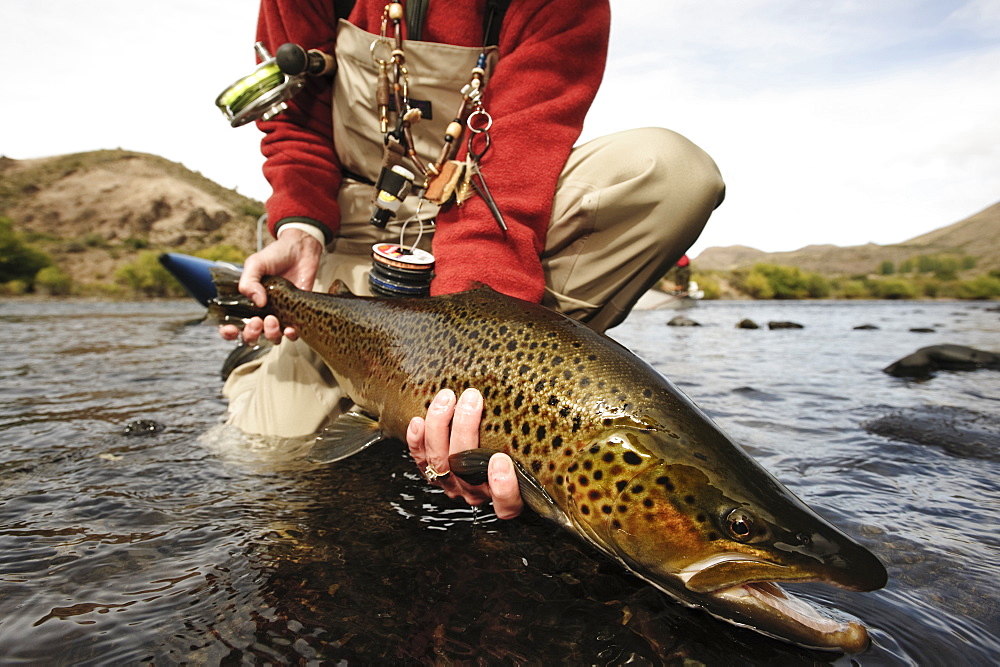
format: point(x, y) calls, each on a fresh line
point(190, 544)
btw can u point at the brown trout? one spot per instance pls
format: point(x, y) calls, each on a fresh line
point(605, 446)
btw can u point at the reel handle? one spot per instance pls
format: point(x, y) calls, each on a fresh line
point(293, 60)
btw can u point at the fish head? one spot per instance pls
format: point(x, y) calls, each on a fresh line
point(715, 530)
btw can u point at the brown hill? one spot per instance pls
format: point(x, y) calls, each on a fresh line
point(977, 236)
point(92, 211)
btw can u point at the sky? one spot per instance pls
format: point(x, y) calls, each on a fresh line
point(833, 122)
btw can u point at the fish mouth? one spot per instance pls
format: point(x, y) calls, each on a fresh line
point(766, 607)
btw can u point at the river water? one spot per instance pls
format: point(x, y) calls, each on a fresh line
point(192, 544)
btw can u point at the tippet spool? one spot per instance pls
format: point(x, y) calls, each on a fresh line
point(400, 271)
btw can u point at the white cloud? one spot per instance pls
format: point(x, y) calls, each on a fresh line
point(823, 135)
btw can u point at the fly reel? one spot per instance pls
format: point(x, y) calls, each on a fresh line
point(265, 92)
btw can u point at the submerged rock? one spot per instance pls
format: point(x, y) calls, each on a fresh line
point(784, 325)
point(927, 360)
point(681, 321)
point(747, 324)
point(142, 427)
point(959, 432)
point(866, 327)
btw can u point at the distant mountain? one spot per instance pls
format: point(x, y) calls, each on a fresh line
point(976, 236)
point(92, 211)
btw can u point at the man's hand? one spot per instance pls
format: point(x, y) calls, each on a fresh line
point(453, 426)
point(294, 255)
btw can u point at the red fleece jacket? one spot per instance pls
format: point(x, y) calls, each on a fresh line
point(552, 55)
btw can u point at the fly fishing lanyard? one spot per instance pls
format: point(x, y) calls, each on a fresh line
point(446, 179)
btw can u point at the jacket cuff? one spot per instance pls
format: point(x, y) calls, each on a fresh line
point(307, 225)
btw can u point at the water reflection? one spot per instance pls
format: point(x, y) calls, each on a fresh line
point(194, 544)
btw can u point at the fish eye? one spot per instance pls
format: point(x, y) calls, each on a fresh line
point(740, 524)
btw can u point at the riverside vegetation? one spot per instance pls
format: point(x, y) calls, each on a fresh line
point(94, 224)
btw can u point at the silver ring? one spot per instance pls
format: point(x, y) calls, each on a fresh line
point(431, 474)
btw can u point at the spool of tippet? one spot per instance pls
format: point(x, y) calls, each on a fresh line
point(400, 271)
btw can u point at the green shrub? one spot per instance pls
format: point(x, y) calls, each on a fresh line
point(14, 287)
point(147, 276)
point(708, 284)
point(887, 268)
point(980, 287)
point(758, 286)
point(223, 253)
point(53, 281)
point(19, 260)
point(894, 288)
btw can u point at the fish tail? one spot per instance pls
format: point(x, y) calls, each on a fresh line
point(229, 306)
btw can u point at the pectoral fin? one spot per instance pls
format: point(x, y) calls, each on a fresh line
point(349, 434)
point(472, 465)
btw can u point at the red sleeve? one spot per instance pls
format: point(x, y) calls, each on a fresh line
point(300, 162)
point(552, 56)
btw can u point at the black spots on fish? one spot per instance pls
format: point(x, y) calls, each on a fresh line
point(583, 480)
point(540, 385)
point(598, 475)
point(591, 357)
point(647, 502)
point(606, 509)
point(525, 428)
point(665, 482)
point(701, 518)
point(594, 449)
point(648, 393)
point(701, 457)
point(638, 488)
point(559, 480)
point(584, 509)
point(511, 345)
point(523, 370)
point(503, 330)
point(556, 360)
point(689, 499)
point(577, 423)
point(540, 434)
point(553, 400)
point(616, 524)
point(497, 410)
point(507, 426)
point(564, 411)
point(584, 382)
point(588, 465)
point(536, 466)
point(474, 334)
point(519, 401)
point(631, 458)
point(620, 485)
point(712, 536)
point(569, 451)
point(594, 494)
point(573, 468)
point(527, 449)
point(557, 442)
point(608, 457)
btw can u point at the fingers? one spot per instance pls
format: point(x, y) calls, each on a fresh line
point(437, 430)
point(506, 495)
point(452, 426)
point(465, 424)
point(250, 281)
